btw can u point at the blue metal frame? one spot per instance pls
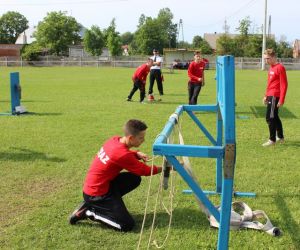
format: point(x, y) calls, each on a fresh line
point(223, 147)
point(14, 91)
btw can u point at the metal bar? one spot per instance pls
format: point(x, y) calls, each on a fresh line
point(207, 108)
point(162, 137)
point(188, 150)
point(202, 128)
point(225, 213)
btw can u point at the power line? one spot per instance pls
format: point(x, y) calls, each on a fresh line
point(63, 3)
point(227, 17)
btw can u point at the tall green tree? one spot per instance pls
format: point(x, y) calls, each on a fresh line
point(57, 31)
point(197, 41)
point(113, 39)
point(156, 33)
point(225, 45)
point(93, 41)
point(244, 26)
point(127, 38)
point(12, 24)
point(202, 44)
point(254, 46)
point(284, 50)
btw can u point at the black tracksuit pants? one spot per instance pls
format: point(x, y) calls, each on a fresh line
point(155, 74)
point(110, 208)
point(272, 118)
point(194, 90)
point(138, 84)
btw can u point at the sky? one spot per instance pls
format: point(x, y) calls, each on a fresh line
point(198, 16)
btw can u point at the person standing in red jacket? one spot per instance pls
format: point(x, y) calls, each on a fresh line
point(196, 77)
point(139, 80)
point(106, 182)
point(274, 97)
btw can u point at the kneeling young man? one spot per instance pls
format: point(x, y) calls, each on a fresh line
point(105, 184)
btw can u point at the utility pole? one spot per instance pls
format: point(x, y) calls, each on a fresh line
point(264, 38)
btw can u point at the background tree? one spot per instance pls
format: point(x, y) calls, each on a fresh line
point(57, 31)
point(156, 33)
point(113, 39)
point(225, 45)
point(197, 41)
point(203, 45)
point(12, 24)
point(284, 50)
point(31, 52)
point(254, 46)
point(127, 38)
point(168, 29)
point(244, 26)
point(93, 41)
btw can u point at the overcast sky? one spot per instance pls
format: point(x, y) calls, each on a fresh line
point(198, 16)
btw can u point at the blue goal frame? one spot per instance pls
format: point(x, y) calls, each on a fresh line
point(223, 147)
point(15, 92)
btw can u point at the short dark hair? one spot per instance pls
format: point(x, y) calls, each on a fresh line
point(134, 127)
point(197, 52)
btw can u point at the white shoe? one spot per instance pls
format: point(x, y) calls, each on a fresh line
point(279, 140)
point(269, 143)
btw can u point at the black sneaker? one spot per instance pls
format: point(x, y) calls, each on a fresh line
point(128, 99)
point(78, 214)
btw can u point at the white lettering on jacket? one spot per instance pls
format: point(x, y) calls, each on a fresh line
point(103, 157)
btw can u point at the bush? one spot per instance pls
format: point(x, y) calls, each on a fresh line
point(31, 52)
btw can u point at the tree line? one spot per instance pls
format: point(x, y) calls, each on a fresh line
point(57, 31)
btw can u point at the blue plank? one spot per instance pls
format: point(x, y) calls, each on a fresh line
point(14, 90)
point(188, 150)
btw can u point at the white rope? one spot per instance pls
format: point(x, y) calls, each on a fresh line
point(170, 212)
point(146, 205)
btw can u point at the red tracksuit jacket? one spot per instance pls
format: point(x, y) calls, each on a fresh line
point(195, 71)
point(112, 158)
point(277, 82)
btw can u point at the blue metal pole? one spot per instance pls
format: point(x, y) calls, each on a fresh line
point(14, 91)
point(219, 159)
point(225, 213)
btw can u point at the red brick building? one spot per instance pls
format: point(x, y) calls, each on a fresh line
point(10, 50)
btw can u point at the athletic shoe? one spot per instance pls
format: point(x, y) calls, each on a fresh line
point(128, 100)
point(78, 214)
point(143, 102)
point(269, 143)
point(150, 97)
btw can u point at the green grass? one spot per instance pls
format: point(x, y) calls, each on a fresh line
point(44, 157)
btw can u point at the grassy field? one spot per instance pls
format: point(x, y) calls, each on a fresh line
point(44, 157)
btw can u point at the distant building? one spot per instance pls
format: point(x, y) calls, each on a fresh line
point(172, 56)
point(26, 37)
point(79, 51)
point(296, 49)
point(212, 38)
point(10, 50)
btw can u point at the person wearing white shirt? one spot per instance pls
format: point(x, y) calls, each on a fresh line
point(155, 73)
